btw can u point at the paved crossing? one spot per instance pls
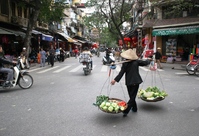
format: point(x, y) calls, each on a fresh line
point(76, 68)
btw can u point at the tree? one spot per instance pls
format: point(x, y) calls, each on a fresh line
point(42, 10)
point(33, 15)
point(113, 13)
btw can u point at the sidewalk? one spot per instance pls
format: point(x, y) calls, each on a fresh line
point(176, 65)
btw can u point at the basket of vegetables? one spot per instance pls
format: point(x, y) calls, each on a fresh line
point(110, 105)
point(152, 94)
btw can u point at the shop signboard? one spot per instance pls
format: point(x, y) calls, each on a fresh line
point(176, 31)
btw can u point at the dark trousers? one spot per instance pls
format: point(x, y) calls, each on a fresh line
point(132, 91)
point(52, 60)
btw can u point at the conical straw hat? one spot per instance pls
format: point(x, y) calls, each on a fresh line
point(129, 54)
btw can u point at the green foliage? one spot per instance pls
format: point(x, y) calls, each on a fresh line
point(50, 12)
point(108, 18)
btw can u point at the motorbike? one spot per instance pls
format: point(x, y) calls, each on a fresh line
point(21, 77)
point(192, 67)
point(110, 60)
point(85, 60)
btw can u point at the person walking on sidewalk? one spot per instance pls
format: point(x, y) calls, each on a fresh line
point(132, 77)
point(24, 57)
point(52, 56)
point(158, 57)
point(42, 58)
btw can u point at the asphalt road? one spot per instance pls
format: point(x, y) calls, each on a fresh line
point(60, 103)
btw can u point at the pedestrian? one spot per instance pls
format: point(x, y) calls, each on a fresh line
point(48, 57)
point(24, 57)
point(76, 51)
point(158, 57)
point(9, 71)
point(52, 56)
point(62, 57)
point(42, 58)
point(107, 51)
point(2, 52)
point(132, 77)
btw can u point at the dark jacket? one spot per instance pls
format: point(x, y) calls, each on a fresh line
point(4, 61)
point(52, 52)
point(131, 70)
point(158, 55)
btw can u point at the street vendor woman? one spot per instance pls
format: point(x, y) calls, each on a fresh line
point(132, 77)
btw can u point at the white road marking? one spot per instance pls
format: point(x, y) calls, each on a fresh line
point(76, 69)
point(182, 73)
point(104, 68)
point(94, 66)
point(144, 68)
point(34, 69)
point(61, 69)
point(48, 69)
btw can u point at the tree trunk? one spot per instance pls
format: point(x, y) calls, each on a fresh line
point(33, 15)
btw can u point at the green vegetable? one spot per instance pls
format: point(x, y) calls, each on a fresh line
point(100, 99)
point(110, 108)
point(152, 93)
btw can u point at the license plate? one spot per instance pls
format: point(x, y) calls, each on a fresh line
point(84, 66)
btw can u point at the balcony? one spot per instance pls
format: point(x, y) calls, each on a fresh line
point(41, 25)
point(19, 21)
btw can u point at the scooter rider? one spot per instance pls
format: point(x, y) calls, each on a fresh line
point(6, 70)
point(86, 50)
point(107, 54)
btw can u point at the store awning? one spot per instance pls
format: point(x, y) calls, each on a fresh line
point(68, 38)
point(5, 32)
point(12, 32)
point(176, 31)
point(45, 37)
point(80, 41)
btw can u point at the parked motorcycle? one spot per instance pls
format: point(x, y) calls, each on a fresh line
point(21, 77)
point(110, 60)
point(85, 59)
point(193, 66)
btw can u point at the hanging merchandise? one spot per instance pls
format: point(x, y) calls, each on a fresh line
point(107, 104)
point(152, 93)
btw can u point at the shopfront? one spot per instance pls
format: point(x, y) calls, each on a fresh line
point(12, 41)
point(179, 42)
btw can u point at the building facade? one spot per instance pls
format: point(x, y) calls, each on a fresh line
point(175, 31)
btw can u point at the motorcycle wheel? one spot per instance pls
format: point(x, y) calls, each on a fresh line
point(189, 71)
point(104, 63)
point(85, 72)
point(196, 70)
point(26, 81)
